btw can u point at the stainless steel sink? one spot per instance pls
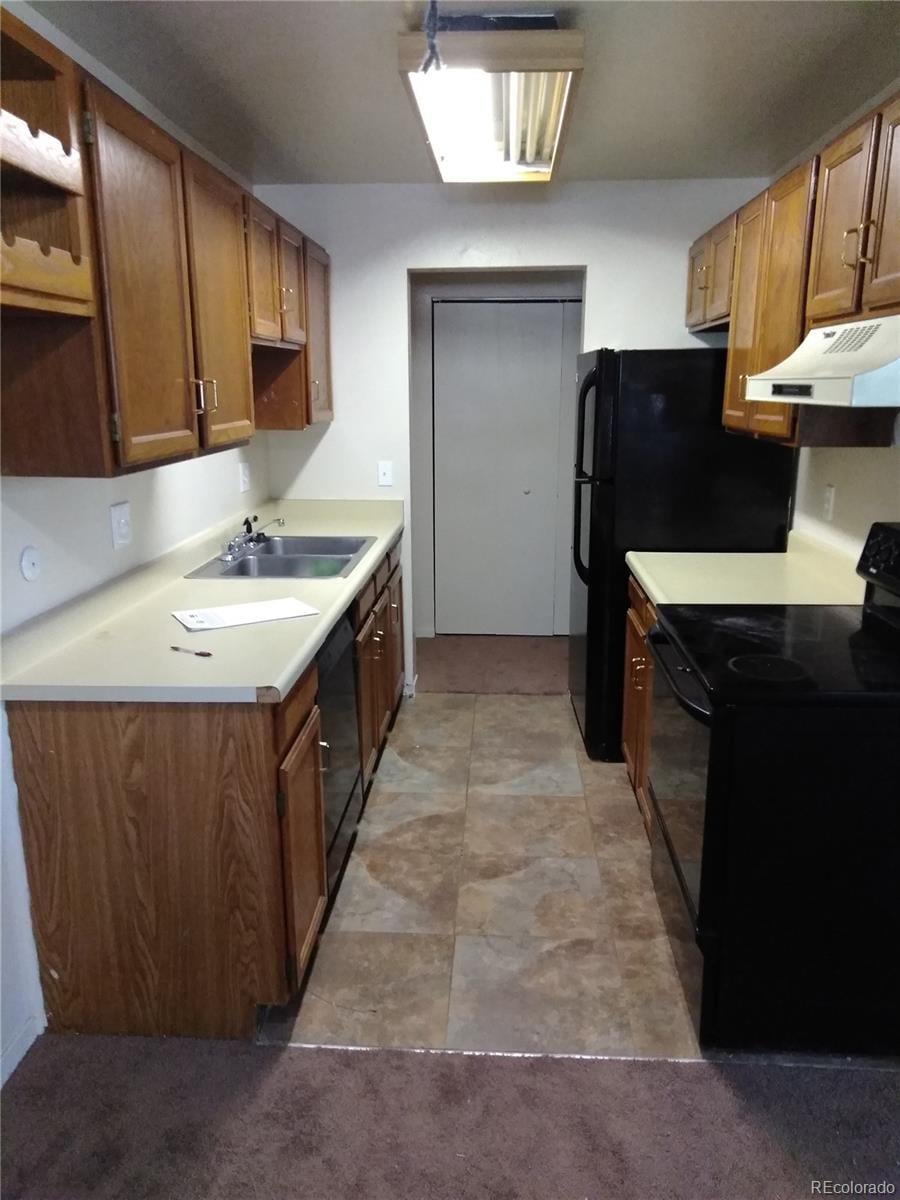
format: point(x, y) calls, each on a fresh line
point(289, 558)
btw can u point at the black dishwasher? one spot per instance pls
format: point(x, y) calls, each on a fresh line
point(342, 784)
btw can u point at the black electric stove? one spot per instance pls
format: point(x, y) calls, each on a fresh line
point(745, 654)
point(774, 784)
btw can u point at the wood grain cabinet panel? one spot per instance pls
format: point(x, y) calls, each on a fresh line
point(292, 286)
point(368, 697)
point(262, 271)
point(215, 227)
point(303, 842)
point(140, 221)
point(881, 285)
point(721, 264)
point(698, 269)
point(317, 266)
point(383, 683)
point(840, 229)
point(742, 333)
point(780, 316)
point(154, 864)
point(637, 694)
point(395, 672)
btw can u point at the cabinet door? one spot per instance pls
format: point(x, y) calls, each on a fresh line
point(742, 334)
point(395, 639)
point(303, 840)
point(842, 210)
point(291, 286)
point(698, 269)
point(262, 271)
point(318, 346)
point(215, 228)
point(143, 258)
point(721, 265)
point(645, 709)
point(882, 278)
point(786, 234)
point(367, 693)
point(384, 685)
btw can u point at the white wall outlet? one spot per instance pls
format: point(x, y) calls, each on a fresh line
point(385, 473)
point(828, 502)
point(244, 476)
point(120, 521)
point(30, 563)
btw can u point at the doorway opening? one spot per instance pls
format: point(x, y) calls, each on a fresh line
point(492, 429)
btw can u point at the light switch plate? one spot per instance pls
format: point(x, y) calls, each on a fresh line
point(385, 473)
point(244, 476)
point(120, 521)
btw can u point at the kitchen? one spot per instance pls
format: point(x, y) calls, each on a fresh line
point(636, 232)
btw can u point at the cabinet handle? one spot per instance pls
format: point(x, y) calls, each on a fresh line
point(215, 392)
point(860, 230)
point(201, 388)
point(326, 766)
point(285, 292)
point(702, 287)
point(315, 383)
point(639, 665)
point(850, 265)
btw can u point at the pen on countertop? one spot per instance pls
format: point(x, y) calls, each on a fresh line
point(198, 653)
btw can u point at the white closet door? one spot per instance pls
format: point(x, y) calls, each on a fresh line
point(496, 431)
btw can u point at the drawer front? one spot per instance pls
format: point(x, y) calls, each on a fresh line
point(382, 574)
point(640, 604)
point(393, 559)
point(295, 708)
point(362, 605)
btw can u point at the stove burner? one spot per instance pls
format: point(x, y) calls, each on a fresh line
point(768, 668)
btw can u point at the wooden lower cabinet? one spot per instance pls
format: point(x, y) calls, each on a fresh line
point(637, 695)
point(175, 857)
point(301, 806)
point(395, 639)
point(379, 659)
point(367, 698)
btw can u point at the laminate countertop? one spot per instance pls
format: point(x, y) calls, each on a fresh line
point(808, 572)
point(115, 642)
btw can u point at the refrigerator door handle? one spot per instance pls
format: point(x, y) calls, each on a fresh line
point(580, 566)
point(589, 382)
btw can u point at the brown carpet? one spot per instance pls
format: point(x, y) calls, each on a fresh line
point(524, 666)
point(175, 1119)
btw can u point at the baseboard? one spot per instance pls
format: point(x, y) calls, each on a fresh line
point(15, 1051)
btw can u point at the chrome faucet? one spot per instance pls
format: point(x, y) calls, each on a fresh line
point(241, 541)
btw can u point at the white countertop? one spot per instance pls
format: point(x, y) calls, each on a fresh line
point(114, 643)
point(807, 573)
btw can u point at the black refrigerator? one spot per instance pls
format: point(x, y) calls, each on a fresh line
point(655, 470)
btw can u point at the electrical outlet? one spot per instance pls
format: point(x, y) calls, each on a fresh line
point(244, 476)
point(120, 521)
point(828, 503)
point(385, 474)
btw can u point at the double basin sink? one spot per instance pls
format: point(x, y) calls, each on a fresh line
point(288, 558)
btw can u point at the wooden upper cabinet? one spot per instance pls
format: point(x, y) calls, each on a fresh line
point(45, 256)
point(721, 263)
point(303, 841)
point(262, 269)
point(780, 302)
point(742, 334)
point(292, 289)
point(881, 284)
point(215, 228)
point(143, 256)
point(318, 346)
point(710, 264)
point(841, 223)
point(695, 309)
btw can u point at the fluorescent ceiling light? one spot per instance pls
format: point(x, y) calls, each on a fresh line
point(495, 111)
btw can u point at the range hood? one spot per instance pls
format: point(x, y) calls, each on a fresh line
point(845, 366)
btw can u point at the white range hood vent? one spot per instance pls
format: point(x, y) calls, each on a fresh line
point(846, 366)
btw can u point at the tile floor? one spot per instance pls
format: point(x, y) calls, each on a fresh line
point(498, 898)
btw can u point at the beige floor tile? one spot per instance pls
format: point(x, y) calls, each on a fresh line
point(377, 989)
point(537, 826)
point(617, 827)
point(524, 716)
point(540, 897)
point(538, 995)
point(534, 773)
point(397, 891)
point(425, 821)
point(406, 768)
point(435, 719)
point(660, 1022)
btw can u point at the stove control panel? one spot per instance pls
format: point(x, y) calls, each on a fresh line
point(879, 562)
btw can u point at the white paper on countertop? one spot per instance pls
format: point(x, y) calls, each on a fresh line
point(243, 614)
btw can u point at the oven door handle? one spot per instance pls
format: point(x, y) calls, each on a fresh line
point(695, 708)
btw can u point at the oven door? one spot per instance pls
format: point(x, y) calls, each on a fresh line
point(680, 740)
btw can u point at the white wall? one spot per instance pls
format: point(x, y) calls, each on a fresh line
point(68, 520)
point(867, 489)
point(630, 238)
